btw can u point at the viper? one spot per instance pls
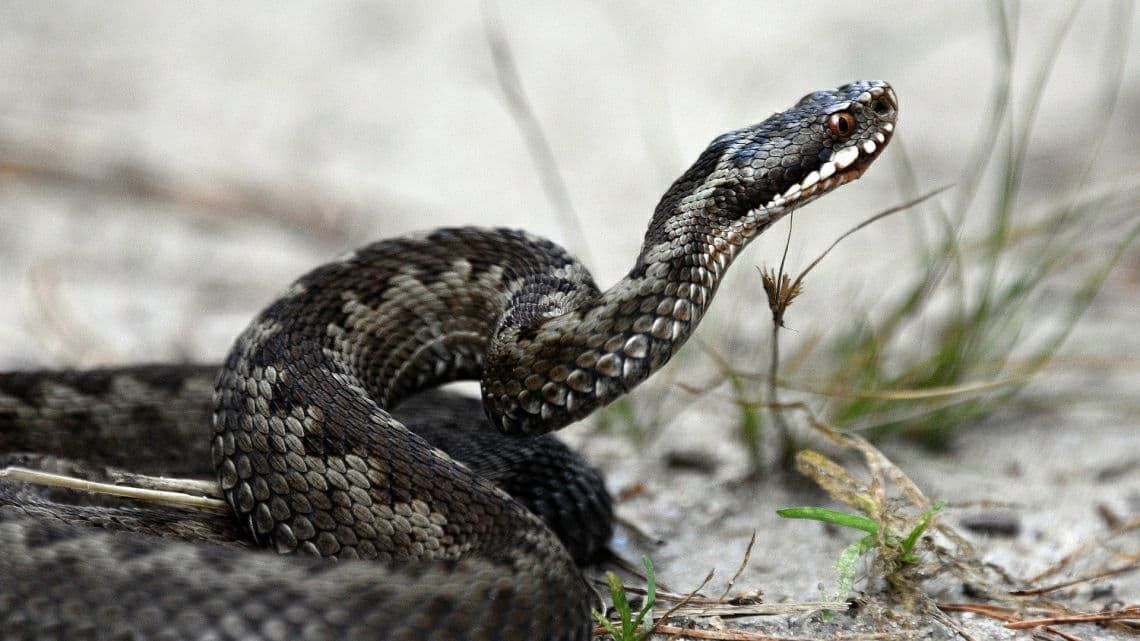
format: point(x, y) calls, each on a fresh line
point(324, 446)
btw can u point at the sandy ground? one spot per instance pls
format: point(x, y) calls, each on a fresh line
point(164, 171)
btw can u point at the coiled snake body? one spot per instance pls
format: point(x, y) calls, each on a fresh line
point(311, 459)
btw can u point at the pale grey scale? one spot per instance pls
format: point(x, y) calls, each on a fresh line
point(450, 339)
point(353, 338)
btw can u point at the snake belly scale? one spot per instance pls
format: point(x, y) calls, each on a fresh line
point(439, 532)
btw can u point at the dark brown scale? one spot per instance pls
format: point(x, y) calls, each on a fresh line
point(314, 455)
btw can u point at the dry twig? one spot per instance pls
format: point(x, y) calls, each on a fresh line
point(190, 493)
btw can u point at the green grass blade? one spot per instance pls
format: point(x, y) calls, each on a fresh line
point(908, 543)
point(835, 517)
point(650, 599)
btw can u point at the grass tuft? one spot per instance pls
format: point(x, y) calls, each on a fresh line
point(985, 310)
point(630, 626)
point(997, 284)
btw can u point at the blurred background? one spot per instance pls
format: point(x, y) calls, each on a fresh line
point(166, 169)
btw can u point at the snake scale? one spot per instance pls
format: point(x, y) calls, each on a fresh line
point(321, 445)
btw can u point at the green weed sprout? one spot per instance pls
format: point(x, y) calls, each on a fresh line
point(892, 547)
point(633, 627)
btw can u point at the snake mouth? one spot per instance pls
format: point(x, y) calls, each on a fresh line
point(844, 165)
point(849, 162)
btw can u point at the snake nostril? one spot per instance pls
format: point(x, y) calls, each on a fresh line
point(883, 107)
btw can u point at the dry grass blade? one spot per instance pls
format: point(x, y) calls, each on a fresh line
point(178, 493)
point(659, 619)
point(1012, 617)
point(507, 73)
point(1125, 614)
point(938, 615)
point(1084, 579)
point(744, 635)
point(58, 329)
point(925, 393)
point(217, 198)
point(740, 568)
point(724, 610)
point(798, 282)
point(877, 463)
point(1083, 550)
point(833, 479)
point(883, 465)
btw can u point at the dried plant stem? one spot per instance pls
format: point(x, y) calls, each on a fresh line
point(189, 493)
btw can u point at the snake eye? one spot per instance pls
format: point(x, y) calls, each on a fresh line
point(841, 124)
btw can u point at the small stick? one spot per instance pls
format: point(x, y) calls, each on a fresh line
point(166, 497)
point(744, 635)
point(1065, 584)
point(1001, 614)
point(743, 564)
point(1069, 558)
point(696, 608)
point(195, 487)
point(1130, 613)
point(660, 622)
point(507, 73)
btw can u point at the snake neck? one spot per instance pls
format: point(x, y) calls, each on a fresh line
point(557, 365)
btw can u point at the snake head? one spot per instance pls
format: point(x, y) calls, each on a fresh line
point(748, 178)
point(830, 138)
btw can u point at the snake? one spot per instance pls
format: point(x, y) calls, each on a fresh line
point(326, 445)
